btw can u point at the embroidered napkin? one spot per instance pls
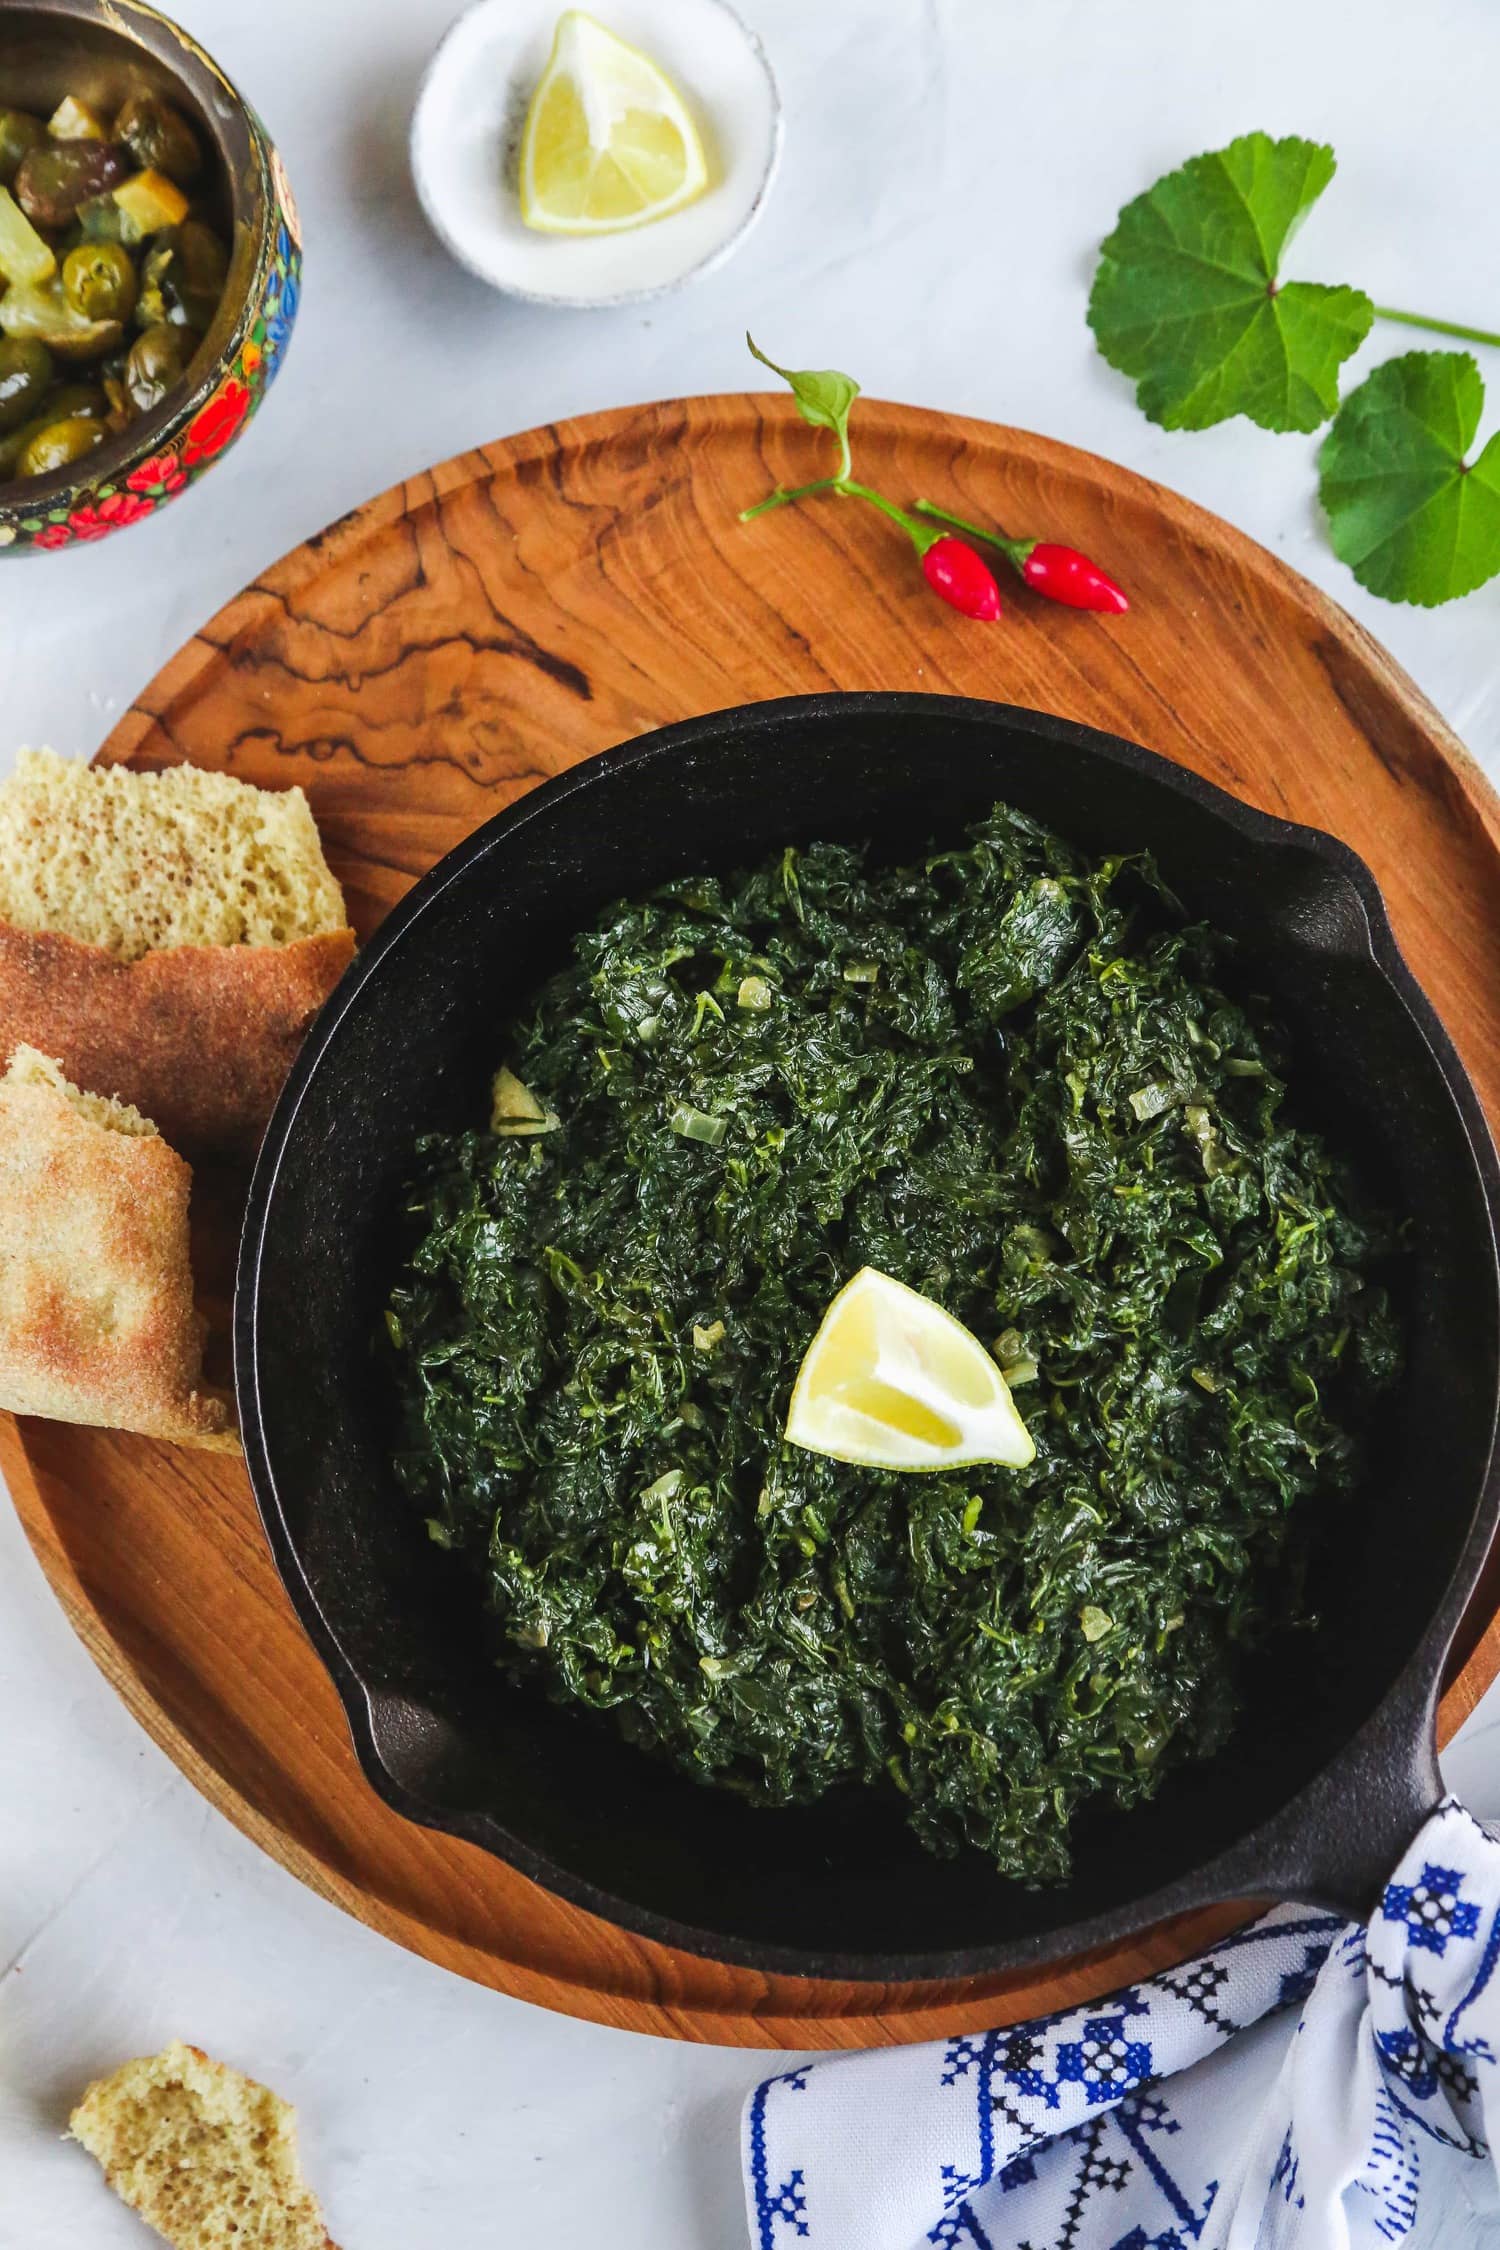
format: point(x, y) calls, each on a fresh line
point(1172, 2115)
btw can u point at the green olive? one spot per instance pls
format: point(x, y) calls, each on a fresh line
point(158, 359)
point(25, 376)
point(182, 278)
point(159, 138)
point(13, 444)
point(59, 443)
point(68, 402)
point(44, 314)
point(53, 180)
point(98, 280)
point(70, 399)
point(20, 132)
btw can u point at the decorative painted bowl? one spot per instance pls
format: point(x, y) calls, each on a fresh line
point(103, 50)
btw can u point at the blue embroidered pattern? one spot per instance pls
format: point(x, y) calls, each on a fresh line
point(1071, 2133)
point(1284, 2176)
point(1104, 2061)
point(788, 2202)
point(958, 2226)
point(1479, 2048)
point(1432, 1908)
point(1391, 2175)
point(1012, 2068)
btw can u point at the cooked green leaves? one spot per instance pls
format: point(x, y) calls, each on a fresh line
point(1413, 517)
point(1036, 1104)
point(1188, 298)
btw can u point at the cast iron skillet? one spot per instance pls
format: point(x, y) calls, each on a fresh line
point(1332, 1766)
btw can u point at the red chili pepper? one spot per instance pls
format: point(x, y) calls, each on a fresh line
point(956, 574)
point(962, 579)
point(952, 569)
point(1062, 574)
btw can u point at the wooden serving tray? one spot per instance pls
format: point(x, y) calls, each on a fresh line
point(427, 659)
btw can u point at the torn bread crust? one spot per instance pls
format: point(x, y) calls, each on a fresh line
point(207, 2156)
point(198, 1037)
point(28, 1067)
point(97, 1322)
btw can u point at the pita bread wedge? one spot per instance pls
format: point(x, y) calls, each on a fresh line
point(170, 936)
point(96, 1293)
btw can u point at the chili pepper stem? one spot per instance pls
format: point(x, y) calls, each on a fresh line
point(848, 489)
point(956, 573)
point(1439, 327)
point(918, 533)
point(1014, 550)
point(784, 493)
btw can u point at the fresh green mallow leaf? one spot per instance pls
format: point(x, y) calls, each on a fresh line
point(823, 396)
point(1411, 517)
point(1187, 298)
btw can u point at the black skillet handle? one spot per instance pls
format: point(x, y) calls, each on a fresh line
point(1338, 1844)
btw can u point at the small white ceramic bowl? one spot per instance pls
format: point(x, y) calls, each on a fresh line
point(466, 132)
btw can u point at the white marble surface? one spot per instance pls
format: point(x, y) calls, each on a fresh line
point(950, 165)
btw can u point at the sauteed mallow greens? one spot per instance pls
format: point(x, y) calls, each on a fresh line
point(1011, 1077)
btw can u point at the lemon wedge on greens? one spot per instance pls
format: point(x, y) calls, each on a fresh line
point(891, 1381)
point(609, 142)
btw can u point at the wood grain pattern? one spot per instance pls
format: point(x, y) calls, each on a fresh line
point(421, 663)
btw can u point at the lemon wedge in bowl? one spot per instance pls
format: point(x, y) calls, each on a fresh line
point(608, 143)
point(891, 1381)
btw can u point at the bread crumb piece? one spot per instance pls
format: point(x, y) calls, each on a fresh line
point(207, 2157)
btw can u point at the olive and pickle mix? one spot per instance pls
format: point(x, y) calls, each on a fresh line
point(111, 270)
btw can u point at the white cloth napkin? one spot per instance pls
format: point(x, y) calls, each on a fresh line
point(1161, 2119)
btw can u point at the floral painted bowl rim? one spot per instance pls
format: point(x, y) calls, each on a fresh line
point(260, 204)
